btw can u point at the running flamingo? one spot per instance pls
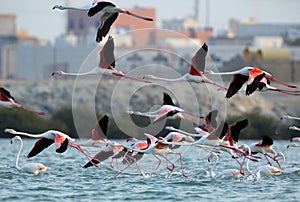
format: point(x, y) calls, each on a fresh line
point(108, 14)
point(264, 147)
point(33, 168)
point(196, 70)
point(6, 100)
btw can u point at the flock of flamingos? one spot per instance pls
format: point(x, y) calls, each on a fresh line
point(210, 136)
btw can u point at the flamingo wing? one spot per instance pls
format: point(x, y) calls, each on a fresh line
point(237, 82)
point(237, 127)
point(5, 95)
point(267, 140)
point(221, 130)
point(198, 61)
point(103, 30)
point(39, 146)
point(99, 7)
point(107, 57)
point(211, 118)
point(101, 129)
point(255, 84)
point(99, 157)
point(167, 100)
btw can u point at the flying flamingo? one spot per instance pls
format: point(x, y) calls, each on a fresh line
point(106, 64)
point(108, 14)
point(264, 147)
point(168, 109)
point(251, 75)
point(196, 70)
point(289, 117)
point(264, 85)
point(61, 140)
point(6, 100)
point(33, 168)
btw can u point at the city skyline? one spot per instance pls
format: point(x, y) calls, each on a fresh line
point(41, 21)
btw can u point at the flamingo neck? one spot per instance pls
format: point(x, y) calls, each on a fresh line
point(18, 155)
point(183, 78)
point(71, 8)
point(215, 164)
point(28, 134)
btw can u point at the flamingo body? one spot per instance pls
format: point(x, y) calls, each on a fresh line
point(32, 168)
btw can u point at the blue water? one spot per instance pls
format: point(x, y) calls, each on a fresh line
point(68, 181)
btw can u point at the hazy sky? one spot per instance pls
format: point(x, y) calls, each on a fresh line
point(38, 17)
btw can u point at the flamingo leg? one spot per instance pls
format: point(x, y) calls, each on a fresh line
point(181, 164)
point(274, 159)
point(159, 162)
point(266, 156)
point(170, 169)
point(29, 110)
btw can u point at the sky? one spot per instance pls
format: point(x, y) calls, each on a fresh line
point(40, 20)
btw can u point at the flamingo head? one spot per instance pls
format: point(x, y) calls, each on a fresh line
point(14, 139)
point(11, 131)
point(58, 72)
point(60, 7)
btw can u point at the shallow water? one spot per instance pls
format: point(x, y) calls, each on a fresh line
point(68, 181)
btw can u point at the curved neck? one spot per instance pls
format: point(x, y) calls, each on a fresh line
point(18, 155)
point(215, 164)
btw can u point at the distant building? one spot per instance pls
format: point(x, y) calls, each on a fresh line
point(7, 34)
point(252, 28)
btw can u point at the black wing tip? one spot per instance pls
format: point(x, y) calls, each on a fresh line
point(267, 140)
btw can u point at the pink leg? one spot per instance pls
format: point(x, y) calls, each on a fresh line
point(159, 162)
point(182, 168)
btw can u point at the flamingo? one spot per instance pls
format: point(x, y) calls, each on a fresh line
point(264, 147)
point(61, 140)
point(108, 14)
point(231, 172)
point(7, 100)
point(106, 64)
point(264, 85)
point(32, 168)
point(168, 109)
point(251, 75)
point(196, 70)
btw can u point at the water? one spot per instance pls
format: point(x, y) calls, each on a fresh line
point(68, 181)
